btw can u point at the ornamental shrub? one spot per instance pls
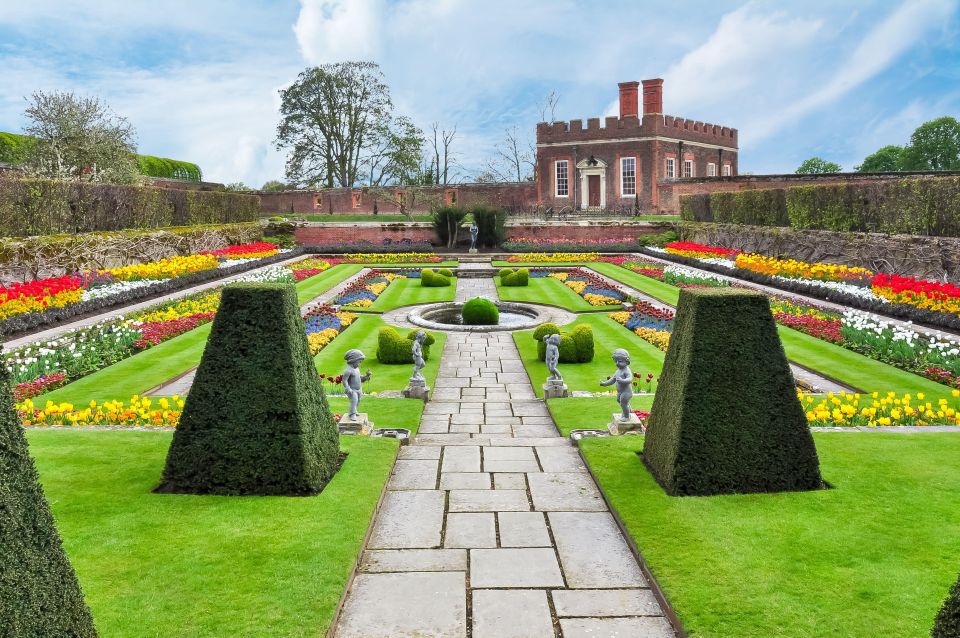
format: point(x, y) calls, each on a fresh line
point(504, 272)
point(446, 272)
point(39, 592)
point(726, 418)
point(575, 346)
point(491, 225)
point(947, 624)
point(256, 420)
point(519, 277)
point(480, 312)
point(432, 279)
point(392, 348)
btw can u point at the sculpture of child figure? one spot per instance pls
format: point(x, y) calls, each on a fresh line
point(623, 377)
point(474, 231)
point(352, 380)
point(552, 357)
point(417, 349)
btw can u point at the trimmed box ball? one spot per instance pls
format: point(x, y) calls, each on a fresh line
point(480, 312)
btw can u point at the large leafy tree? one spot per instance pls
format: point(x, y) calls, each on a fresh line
point(337, 121)
point(888, 159)
point(79, 139)
point(934, 146)
point(818, 165)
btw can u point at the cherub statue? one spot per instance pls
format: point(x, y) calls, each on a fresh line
point(417, 348)
point(352, 380)
point(474, 231)
point(623, 377)
point(552, 357)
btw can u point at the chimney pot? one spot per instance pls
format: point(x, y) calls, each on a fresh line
point(652, 96)
point(628, 99)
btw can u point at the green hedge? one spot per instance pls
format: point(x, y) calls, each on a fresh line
point(13, 147)
point(726, 418)
point(393, 348)
point(170, 168)
point(914, 206)
point(491, 225)
point(39, 592)
point(947, 624)
point(432, 279)
point(576, 346)
point(256, 420)
point(480, 312)
point(517, 278)
point(47, 207)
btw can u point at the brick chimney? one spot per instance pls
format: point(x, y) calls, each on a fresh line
point(628, 99)
point(652, 96)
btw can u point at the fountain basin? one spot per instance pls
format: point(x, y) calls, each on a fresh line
point(446, 316)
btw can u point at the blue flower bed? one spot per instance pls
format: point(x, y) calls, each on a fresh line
point(642, 320)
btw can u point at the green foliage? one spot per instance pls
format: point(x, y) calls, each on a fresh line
point(576, 346)
point(491, 224)
point(504, 271)
point(695, 208)
point(519, 277)
point(934, 145)
point(888, 159)
point(268, 430)
point(480, 312)
point(170, 168)
point(432, 279)
point(39, 592)
point(659, 239)
point(755, 207)
point(273, 186)
point(446, 272)
point(446, 223)
point(392, 348)
point(726, 418)
point(48, 207)
point(947, 624)
point(14, 148)
point(816, 165)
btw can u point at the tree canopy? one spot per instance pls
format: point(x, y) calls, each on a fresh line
point(887, 160)
point(818, 165)
point(934, 146)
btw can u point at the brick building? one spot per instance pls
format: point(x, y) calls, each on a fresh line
point(620, 163)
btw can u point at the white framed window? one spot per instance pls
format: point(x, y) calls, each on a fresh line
point(688, 168)
point(711, 169)
point(628, 176)
point(671, 168)
point(562, 178)
point(727, 170)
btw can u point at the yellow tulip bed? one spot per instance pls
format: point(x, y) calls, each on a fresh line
point(795, 269)
point(552, 258)
point(873, 410)
point(168, 268)
point(139, 412)
point(390, 258)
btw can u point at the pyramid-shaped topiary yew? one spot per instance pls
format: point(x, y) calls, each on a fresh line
point(39, 592)
point(726, 418)
point(256, 420)
point(947, 624)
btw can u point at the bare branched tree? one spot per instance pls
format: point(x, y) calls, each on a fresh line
point(445, 162)
point(549, 106)
point(514, 159)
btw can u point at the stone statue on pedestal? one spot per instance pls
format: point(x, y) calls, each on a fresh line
point(353, 380)
point(417, 349)
point(474, 231)
point(623, 377)
point(553, 356)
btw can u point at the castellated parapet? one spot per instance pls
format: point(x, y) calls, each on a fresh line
point(649, 125)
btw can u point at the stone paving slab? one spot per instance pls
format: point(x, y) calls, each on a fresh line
point(517, 613)
point(593, 552)
point(414, 560)
point(408, 520)
point(470, 530)
point(465, 481)
point(528, 567)
point(413, 475)
point(523, 529)
point(431, 604)
point(488, 501)
point(565, 492)
point(651, 627)
point(605, 602)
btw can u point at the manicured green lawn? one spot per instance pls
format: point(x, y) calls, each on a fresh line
point(362, 334)
point(385, 413)
point(547, 290)
point(590, 413)
point(319, 284)
point(499, 263)
point(176, 565)
point(875, 556)
point(608, 335)
point(449, 263)
point(409, 292)
point(846, 366)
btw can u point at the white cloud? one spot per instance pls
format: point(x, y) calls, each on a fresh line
point(338, 30)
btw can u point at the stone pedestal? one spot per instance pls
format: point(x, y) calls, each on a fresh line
point(417, 389)
point(360, 425)
point(472, 251)
point(618, 426)
point(555, 389)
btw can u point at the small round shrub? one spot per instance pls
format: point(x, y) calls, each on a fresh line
point(504, 272)
point(568, 349)
point(539, 333)
point(480, 312)
point(509, 277)
point(392, 348)
point(582, 336)
point(431, 279)
point(446, 272)
point(522, 277)
point(575, 346)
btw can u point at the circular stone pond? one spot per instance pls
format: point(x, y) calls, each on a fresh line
point(513, 316)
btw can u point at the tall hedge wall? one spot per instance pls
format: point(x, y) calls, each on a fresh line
point(165, 167)
point(47, 207)
point(919, 206)
point(39, 592)
point(13, 147)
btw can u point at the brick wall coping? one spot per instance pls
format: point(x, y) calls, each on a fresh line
point(805, 177)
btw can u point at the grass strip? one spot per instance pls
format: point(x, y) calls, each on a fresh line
point(874, 556)
point(180, 565)
point(590, 413)
point(409, 292)
point(549, 291)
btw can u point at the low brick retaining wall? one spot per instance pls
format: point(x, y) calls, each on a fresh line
point(324, 234)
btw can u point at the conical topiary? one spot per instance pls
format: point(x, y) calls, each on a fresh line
point(39, 592)
point(947, 624)
point(256, 420)
point(726, 418)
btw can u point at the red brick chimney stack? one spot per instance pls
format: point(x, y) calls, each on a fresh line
point(652, 96)
point(628, 99)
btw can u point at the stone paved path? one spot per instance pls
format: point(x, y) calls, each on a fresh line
point(491, 526)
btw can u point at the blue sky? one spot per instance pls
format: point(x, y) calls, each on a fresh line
point(199, 79)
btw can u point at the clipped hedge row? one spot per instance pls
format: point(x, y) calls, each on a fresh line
point(169, 168)
point(394, 349)
point(914, 206)
point(47, 207)
point(576, 346)
point(13, 147)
